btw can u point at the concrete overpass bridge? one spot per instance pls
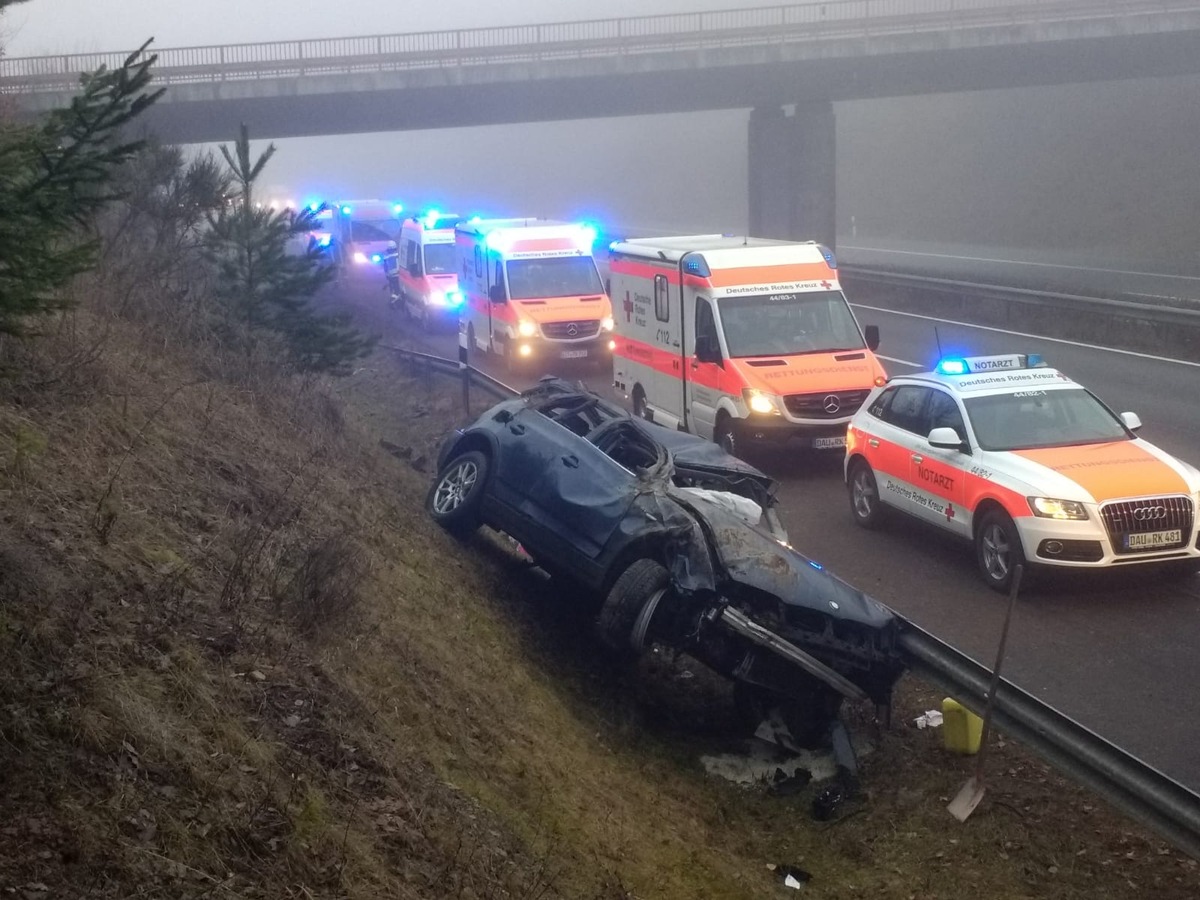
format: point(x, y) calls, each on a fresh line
point(788, 63)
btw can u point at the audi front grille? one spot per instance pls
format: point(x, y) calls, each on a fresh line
point(1149, 514)
point(571, 331)
point(825, 405)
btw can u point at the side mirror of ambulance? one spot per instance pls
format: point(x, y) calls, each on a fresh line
point(496, 294)
point(946, 439)
point(414, 269)
point(1131, 420)
point(872, 335)
point(608, 286)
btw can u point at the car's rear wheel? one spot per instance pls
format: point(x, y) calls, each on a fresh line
point(639, 402)
point(624, 620)
point(865, 504)
point(998, 549)
point(457, 493)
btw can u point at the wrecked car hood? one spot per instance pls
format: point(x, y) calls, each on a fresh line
point(753, 558)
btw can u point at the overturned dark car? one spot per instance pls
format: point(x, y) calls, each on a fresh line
point(678, 540)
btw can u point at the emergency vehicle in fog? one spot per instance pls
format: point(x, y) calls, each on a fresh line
point(363, 229)
point(532, 291)
point(428, 270)
point(739, 339)
point(1025, 463)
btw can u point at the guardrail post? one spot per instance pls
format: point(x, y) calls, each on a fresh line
point(464, 366)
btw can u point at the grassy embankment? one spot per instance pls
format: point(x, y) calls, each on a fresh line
point(239, 661)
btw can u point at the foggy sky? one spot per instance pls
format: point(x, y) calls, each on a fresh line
point(1105, 168)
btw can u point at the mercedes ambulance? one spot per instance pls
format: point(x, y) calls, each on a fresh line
point(739, 339)
point(363, 229)
point(428, 271)
point(532, 290)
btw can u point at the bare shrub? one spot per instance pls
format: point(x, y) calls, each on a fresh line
point(325, 588)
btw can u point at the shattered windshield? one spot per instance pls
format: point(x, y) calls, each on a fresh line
point(789, 324)
point(556, 276)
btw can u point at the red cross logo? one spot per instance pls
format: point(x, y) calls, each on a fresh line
point(826, 284)
point(949, 512)
point(628, 307)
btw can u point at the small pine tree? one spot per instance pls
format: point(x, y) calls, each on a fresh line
point(54, 178)
point(264, 287)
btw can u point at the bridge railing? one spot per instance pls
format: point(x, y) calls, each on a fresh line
point(789, 23)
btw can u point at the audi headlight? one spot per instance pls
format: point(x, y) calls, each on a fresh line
point(760, 401)
point(527, 328)
point(606, 324)
point(1049, 508)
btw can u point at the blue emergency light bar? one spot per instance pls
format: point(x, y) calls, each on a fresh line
point(974, 365)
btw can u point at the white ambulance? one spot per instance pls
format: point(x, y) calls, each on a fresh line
point(427, 275)
point(740, 339)
point(532, 291)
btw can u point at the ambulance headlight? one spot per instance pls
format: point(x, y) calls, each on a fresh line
point(606, 324)
point(360, 257)
point(760, 401)
point(437, 298)
point(454, 299)
point(527, 328)
point(1049, 508)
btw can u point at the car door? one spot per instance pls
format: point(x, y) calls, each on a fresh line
point(938, 474)
point(704, 377)
point(890, 440)
point(580, 495)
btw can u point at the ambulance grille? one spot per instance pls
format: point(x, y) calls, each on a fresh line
point(571, 331)
point(1149, 514)
point(825, 405)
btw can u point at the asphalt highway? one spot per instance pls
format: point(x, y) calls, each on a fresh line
point(1117, 652)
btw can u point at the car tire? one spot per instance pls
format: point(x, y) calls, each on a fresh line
point(725, 435)
point(998, 549)
point(620, 625)
point(639, 402)
point(863, 489)
point(455, 498)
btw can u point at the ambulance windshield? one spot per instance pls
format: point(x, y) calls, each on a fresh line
point(374, 230)
point(556, 276)
point(439, 259)
point(1025, 420)
point(789, 324)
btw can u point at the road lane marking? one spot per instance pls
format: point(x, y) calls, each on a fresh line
point(1036, 337)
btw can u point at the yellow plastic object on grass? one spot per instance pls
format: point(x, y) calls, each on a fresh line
point(961, 728)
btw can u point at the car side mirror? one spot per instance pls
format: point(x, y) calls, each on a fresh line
point(496, 294)
point(946, 439)
point(608, 286)
point(1131, 421)
point(707, 350)
point(414, 269)
point(871, 332)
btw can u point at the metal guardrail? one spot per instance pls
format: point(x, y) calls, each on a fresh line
point(1132, 786)
point(811, 21)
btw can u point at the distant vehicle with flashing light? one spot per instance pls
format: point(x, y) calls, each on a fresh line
point(427, 277)
point(739, 339)
point(1025, 463)
point(532, 290)
point(362, 230)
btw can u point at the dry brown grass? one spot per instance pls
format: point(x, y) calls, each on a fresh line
point(239, 661)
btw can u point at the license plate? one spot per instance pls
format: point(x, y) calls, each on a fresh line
point(574, 354)
point(828, 443)
point(1152, 539)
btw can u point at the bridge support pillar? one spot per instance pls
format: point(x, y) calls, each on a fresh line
point(792, 168)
